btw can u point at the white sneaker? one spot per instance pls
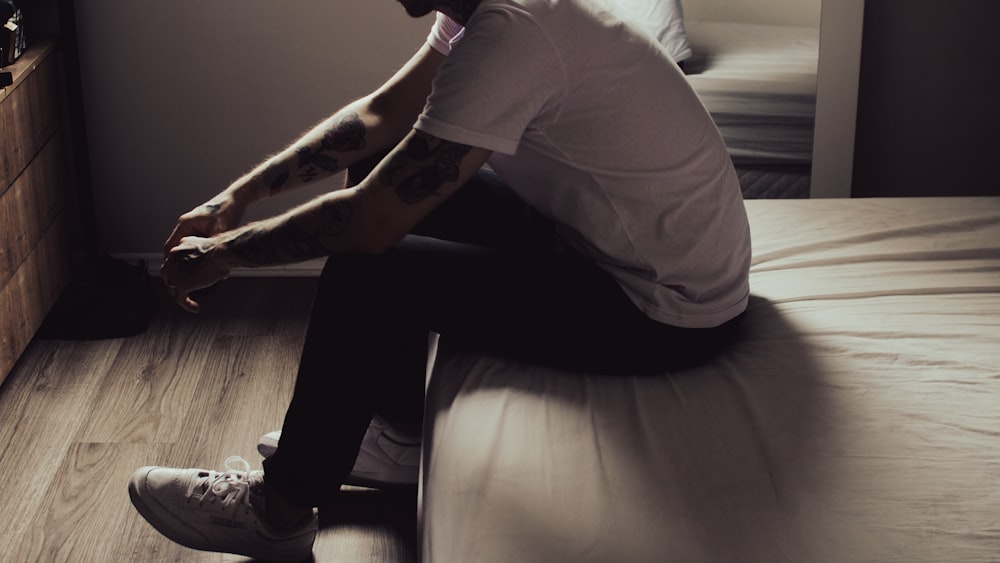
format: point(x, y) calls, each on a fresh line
point(387, 458)
point(212, 511)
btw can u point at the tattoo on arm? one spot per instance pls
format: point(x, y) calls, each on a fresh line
point(275, 176)
point(293, 243)
point(345, 135)
point(335, 216)
point(249, 248)
point(422, 167)
point(307, 172)
point(294, 240)
point(285, 244)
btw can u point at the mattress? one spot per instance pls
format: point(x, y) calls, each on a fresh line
point(855, 419)
point(759, 84)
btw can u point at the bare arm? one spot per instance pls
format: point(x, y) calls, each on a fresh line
point(365, 127)
point(413, 179)
point(361, 129)
point(419, 174)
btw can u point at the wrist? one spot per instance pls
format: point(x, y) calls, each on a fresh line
point(245, 191)
point(269, 178)
point(225, 252)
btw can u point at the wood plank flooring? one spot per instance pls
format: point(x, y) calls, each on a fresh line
point(77, 418)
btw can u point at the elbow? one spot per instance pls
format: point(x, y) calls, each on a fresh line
point(380, 105)
point(392, 112)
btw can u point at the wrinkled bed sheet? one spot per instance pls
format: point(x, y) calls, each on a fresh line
point(856, 419)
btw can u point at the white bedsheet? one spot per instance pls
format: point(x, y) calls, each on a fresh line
point(759, 83)
point(857, 418)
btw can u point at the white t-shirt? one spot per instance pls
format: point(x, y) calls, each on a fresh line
point(593, 125)
point(665, 20)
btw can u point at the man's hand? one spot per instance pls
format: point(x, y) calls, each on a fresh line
point(218, 215)
point(194, 263)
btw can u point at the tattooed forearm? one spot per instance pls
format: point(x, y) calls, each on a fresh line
point(316, 155)
point(308, 157)
point(335, 216)
point(249, 248)
point(422, 167)
point(307, 172)
point(419, 187)
point(293, 239)
point(275, 176)
point(295, 243)
point(285, 244)
point(347, 134)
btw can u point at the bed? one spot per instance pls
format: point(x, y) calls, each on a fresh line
point(856, 418)
point(759, 83)
point(756, 78)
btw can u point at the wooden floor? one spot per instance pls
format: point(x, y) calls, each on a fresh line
point(77, 418)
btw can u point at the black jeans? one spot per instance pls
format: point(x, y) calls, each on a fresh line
point(491, 277)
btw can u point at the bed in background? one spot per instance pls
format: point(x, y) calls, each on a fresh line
point(759, 83)
point(855, 420)
point(755, 70)
point(754, 64)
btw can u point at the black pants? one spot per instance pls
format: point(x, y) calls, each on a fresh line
point(490, 276)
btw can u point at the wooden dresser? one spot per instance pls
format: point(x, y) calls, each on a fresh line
point(38, 217)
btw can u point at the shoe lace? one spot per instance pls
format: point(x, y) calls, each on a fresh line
point(229, 487)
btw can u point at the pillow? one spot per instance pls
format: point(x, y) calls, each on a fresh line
point(664, 19)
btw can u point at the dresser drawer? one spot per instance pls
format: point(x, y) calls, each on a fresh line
point(29, 206)
point(27, 297)
point(29, 115)
point(38, 217)
point(34, 288)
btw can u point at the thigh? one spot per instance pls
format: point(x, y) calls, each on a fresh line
point(555, 309)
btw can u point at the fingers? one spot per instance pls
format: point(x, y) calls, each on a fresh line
point(180, 294)
point(173, 240)
point(183, 300)
point(185, 228)
point(220, 214)
point(188, 267)
point(191, 225)
point(189, 305)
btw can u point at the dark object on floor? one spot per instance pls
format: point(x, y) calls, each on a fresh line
point(110, 299)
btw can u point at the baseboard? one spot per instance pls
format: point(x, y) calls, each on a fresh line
point(311, 268)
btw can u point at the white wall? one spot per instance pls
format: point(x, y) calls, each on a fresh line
point(182, 97)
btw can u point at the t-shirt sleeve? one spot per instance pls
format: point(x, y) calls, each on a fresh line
point(499, 78)
point(444, 31)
